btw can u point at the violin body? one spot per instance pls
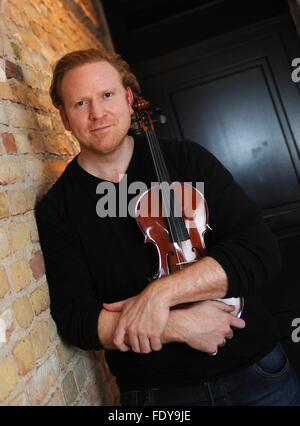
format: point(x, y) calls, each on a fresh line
point(174, 256)
point(172, 215)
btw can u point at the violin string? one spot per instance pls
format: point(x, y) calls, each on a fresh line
point(176, 224)
point(164, 170)
point(159, 171)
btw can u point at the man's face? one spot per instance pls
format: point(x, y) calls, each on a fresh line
point(97, 107)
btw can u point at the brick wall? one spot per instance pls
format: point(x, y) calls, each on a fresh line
point(36, 367)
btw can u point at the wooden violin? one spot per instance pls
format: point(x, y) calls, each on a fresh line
point(172, 215)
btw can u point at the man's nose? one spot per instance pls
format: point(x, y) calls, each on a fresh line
point(97, 110)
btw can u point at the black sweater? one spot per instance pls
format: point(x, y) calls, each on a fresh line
point(90, 260)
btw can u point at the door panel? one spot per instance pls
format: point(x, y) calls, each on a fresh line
point(247, 136)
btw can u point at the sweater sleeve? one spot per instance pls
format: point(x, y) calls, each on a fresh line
point(73, 304)
point(240, 240)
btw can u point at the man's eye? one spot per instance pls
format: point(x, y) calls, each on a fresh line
point(80, 103)
point(108, 95)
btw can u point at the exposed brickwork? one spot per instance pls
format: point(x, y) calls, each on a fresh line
point(36, 367)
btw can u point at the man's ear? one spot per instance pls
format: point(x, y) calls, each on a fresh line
point(64, 118)
point(130, 99)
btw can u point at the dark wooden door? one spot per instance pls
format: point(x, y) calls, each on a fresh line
point(234, 95)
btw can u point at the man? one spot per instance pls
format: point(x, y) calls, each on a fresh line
point(161, 352)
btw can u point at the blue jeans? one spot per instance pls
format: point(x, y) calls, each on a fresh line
point(270, 381)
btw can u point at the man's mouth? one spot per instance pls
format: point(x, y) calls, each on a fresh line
point(101, 129)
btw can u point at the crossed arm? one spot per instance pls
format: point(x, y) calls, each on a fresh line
point(145, 322)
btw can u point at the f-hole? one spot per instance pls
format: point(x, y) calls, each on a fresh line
point(167, 260)
point(197, 248)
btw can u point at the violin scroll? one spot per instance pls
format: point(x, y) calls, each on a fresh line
point(141, 105)
point(143, 120)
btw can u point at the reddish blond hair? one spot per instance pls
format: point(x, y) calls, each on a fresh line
point(80, 57)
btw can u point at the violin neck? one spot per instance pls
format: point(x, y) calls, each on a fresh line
point(170, 205)
point(158, 159)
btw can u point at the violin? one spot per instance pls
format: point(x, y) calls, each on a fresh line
point(172, 215)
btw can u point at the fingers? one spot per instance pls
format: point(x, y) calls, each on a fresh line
point(135, 342)
point(155, 343)
point(119, 337)
point(223, 306)
point(114, 307)
point(237, 322)
point(234, 322)
point(219, 342)
point(137, 338)
point(229, 335)
point(149, 344)
point(212, 343)
point(145, 345)
point(126, 336)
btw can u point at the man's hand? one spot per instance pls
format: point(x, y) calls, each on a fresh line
point(142, 321)
point(144, 317)
point(203, 326)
